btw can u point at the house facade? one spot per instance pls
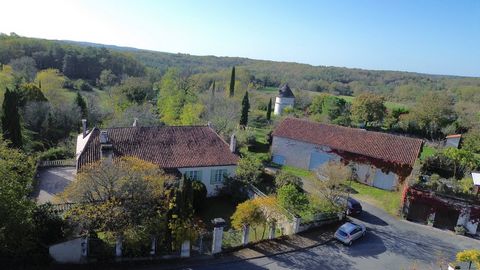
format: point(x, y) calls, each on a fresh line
point(378, 159)
point(197, 152)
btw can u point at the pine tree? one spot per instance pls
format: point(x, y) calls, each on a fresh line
point(245, 110)
point(232, 82)
point(82, 105)
point(10, 119)
point(269, 109)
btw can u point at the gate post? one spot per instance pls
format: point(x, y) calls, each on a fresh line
point(118, 246)
point(153, 246)
point(296, 224)
point(245, 234)
point(271, 233)
point(185, 252)
point(218, 224)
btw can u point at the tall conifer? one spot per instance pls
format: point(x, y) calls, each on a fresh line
point(269, 109)
point(245, 110)
point(10, 119)
point(232, 83)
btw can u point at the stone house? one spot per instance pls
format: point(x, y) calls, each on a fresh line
point(197, 152)
point(378, 159)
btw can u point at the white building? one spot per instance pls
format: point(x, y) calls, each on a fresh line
point(284, 99)
point(453, 140)
point(197, 152)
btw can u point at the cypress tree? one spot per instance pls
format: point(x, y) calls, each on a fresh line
point(232, 82)
point(10, 119)
point(269, 109)
point(245, 110)
point(213, 89)
point(82, 105)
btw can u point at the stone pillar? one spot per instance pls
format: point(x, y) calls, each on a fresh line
point(200, 244)
point(84, 245)
point(431, 219)
point(271, 232)
point(185, 252)
point(296, 224)
point(218, 224)
point(245, 234)
point(118, 246)
point(153, 246)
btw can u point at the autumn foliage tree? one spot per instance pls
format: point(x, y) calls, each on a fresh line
point(115, 196)
point(470, 256)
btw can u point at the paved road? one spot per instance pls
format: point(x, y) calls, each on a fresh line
point(389, 244)
point(51, 181)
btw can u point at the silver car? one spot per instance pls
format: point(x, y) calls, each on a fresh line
point(349, 232)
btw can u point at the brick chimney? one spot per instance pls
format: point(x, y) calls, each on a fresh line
point(84, 128)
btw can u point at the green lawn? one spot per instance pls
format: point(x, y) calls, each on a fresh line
point(303, 173)
point(269, 89)
point(427, 151)
point(387, 200)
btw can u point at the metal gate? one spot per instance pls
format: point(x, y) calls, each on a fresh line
point(446, 218)
point(418, 212)
point(203, 244)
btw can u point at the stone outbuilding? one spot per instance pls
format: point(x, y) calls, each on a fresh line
point(378, 159)
point(284, 99)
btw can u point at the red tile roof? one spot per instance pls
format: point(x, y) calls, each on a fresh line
point(382, 146)
point(169, 147)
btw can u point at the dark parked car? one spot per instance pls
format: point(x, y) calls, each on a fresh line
point(353, 206)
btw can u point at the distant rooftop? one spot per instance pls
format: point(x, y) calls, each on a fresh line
point(285, 92)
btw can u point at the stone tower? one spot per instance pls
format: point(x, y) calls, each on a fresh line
point(284, 99)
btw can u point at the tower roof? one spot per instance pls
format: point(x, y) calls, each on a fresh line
point(285, 92)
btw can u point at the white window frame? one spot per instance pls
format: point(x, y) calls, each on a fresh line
point(217, 176)
point(194, 175)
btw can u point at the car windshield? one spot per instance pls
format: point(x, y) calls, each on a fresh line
point(342, 233)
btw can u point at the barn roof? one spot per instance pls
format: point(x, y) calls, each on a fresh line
point(168, 146)
point(382, 146)
point(285, 92)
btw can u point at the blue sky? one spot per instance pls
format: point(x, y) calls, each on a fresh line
point(439, 37)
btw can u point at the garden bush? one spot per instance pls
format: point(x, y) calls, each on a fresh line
point(284, 178)
point(136, 243)
point(56, 153)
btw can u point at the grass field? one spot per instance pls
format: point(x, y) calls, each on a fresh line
point(388, 104)
point(427, 151)
point(298, 172)
point(269, 89)
point(387, 200)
